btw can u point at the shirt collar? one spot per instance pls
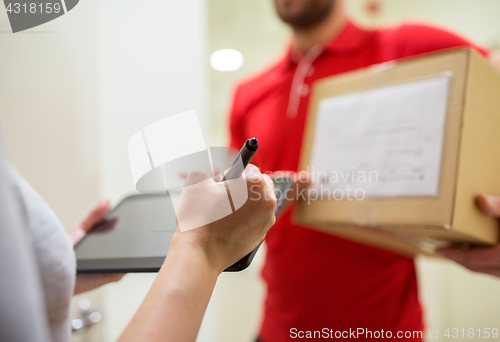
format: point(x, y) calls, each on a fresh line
point(352, 38)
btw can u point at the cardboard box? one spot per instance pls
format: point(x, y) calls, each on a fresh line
point(469, 162)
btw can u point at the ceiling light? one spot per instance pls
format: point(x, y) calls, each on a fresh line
point(226, 60)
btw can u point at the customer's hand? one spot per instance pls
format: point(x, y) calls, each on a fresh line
point(227, 240)
point(479, 259)
point(87, 282)
point(174, 306)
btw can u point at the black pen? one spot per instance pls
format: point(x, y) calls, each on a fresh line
point(245, 155)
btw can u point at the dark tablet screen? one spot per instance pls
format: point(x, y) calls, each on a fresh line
point(134, 237)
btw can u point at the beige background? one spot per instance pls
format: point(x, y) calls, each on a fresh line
point(72, 91)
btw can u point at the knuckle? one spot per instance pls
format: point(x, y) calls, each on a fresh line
point(251, 168)
point(196, 176)
point(253, 178)
point(267, 178)
point(263, 184)
point(273, 202)
point(256, 182)
point(270, 204)
point(272, 220)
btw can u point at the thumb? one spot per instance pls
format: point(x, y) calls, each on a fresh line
point(301, 181)
point(96, 215)
point(489, 204)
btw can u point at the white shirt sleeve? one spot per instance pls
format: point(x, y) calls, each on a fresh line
point(22, 308)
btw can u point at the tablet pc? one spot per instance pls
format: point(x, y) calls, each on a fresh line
point(134, 237)
point(136, 234)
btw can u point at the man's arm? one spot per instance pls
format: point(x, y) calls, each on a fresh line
point(481, 259)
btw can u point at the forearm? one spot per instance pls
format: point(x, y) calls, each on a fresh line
point(174, 307)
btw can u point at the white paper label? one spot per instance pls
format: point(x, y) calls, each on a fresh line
point(386, 142)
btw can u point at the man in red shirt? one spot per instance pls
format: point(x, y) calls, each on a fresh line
point(314, 280)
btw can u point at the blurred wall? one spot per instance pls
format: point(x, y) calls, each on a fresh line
point(49, 114)
point(250, 27)
point(48, 108)
point(74, 90)
point(152, 64)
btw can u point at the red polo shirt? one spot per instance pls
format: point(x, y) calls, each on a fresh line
point(315, 280)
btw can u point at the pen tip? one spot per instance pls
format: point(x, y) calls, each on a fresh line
point(253, 143)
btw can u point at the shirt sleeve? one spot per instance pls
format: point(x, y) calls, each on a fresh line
point(415, 39)
point(22, 313)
